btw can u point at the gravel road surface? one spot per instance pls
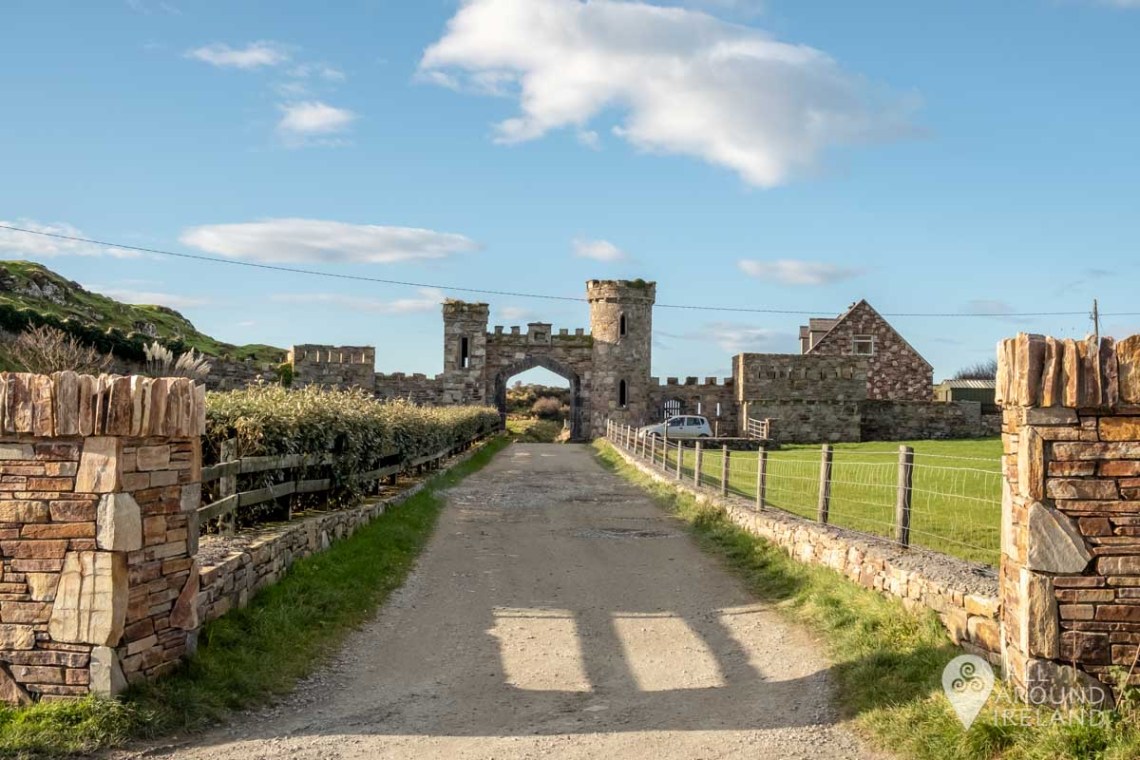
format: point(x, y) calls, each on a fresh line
point(556, 612)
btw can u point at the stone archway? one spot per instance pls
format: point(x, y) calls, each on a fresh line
point(578, 416)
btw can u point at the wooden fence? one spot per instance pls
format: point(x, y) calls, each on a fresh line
point(293, 466)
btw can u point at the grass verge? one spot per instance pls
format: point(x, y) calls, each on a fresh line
point(252, 655)
point(534, 430)
point(888, 661)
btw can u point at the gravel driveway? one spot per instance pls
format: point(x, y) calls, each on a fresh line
point(557, 612)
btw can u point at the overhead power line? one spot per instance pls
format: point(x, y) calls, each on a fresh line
point(517, 294)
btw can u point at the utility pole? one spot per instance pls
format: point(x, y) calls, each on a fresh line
point(1096, 321)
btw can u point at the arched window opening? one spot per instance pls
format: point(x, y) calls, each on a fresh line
point(621, 326)
point(622, 394)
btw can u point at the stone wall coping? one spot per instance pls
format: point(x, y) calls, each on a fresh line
point(68, 404)
point(1043, 371)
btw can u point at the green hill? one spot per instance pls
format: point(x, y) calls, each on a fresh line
point(31, 294)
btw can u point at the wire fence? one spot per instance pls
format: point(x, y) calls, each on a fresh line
point(939, 502)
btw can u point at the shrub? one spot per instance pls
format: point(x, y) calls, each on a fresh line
point(547, 408)
point(45, 349)
point(362, 433)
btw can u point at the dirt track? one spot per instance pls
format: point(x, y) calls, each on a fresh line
point(557, 613)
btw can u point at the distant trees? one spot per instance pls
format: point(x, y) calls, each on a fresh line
point(986, 370)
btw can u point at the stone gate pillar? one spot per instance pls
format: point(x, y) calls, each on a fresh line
point(100, 478)
point(1070, 564)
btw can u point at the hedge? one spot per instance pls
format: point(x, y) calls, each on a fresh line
point(362, 433)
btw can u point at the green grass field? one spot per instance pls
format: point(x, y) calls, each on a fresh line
point(956, 489)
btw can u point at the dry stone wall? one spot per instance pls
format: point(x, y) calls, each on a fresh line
point(1070, 566)
point(100, 478)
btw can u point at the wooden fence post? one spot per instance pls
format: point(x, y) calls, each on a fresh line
point(227, 484)
point(724, 470)
point(697, 464)
point(652, 448)
point(903, 502)
point(825, 483)
point(761, 476)
point(680, 458)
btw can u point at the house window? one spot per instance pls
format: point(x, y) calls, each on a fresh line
point(863, 345)
point(622, 400)
point(621, 326)
point(464, 354)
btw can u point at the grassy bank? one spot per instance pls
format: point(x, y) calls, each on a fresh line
point(887, 661)
point(252, 655)
point(956, 501)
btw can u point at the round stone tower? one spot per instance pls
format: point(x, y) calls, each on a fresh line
point(621, 322)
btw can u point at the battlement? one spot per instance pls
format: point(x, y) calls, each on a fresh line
point(621, 290)
point(382, 377)
point(724, 382)
point(536, 333)
point(466, 310)
point(321, 354)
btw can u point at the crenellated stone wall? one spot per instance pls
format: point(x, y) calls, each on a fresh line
point(715, 398)
point(333, 366)
point(417, 388)
point(1070, 565)
point(100, 478)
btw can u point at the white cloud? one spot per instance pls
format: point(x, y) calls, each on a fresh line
point(795, 272)
point(429, 300)
point(23, 244)
point(312, 121)
point(319, 240)
point(150, 298)
point(255, 55)
point(734, 337)
point(318, 70)
point(598, 250)
point(689, 83)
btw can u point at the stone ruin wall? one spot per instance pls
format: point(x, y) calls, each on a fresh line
point(1070, 566)
point(809, 398)
point(417, 388)
point(99, 483)
point(336, 366)
point(714, 398)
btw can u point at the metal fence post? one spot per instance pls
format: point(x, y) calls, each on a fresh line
point(699, 459)
point(903, 502)
point(680, 458)
point(761, 476)
point(825, 483)
point(724, 470)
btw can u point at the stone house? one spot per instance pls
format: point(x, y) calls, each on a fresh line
point(895, 370)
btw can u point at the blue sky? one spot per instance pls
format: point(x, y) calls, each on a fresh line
point(799, 155)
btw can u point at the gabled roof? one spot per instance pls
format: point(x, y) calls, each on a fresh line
point(847, 314)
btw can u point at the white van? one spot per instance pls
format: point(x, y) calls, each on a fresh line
point(681, 426)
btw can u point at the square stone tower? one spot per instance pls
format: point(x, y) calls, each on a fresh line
point(621, 321)
point(465, 352)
